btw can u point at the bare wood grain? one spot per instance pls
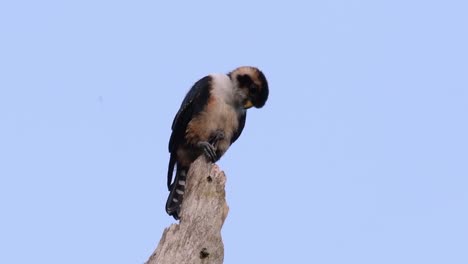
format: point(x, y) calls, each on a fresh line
point(197, 238)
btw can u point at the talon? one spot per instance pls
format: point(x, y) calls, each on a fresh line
point(209, 150)
point(219, 135)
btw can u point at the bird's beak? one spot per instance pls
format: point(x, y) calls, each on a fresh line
point(248, 104)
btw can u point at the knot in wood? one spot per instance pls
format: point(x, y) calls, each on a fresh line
point(204, 253)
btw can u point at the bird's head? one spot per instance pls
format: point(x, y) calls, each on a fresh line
point(251, 84)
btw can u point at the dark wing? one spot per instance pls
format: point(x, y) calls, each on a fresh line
point(199, 93)
point(241, 120)
point(192, 104)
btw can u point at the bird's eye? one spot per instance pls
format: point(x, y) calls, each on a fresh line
point(253, 89)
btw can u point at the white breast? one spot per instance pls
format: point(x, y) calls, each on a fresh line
point(222, 88)
point(225, 116)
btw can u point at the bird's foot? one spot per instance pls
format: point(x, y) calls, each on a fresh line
point(209, 150)
point(217, 136)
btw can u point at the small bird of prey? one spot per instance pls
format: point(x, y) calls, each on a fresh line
point(211, 118)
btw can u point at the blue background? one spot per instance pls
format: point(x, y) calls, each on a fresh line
point(359, 156)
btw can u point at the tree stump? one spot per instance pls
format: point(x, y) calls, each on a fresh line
point(197, 238)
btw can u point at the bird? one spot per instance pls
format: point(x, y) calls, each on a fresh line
point(211, 118)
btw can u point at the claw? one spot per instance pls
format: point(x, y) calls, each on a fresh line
point(209, 150)
point(219, 135)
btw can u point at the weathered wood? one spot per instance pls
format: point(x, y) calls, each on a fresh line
point(197, 238)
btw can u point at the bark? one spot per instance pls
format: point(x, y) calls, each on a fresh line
point(197, 238)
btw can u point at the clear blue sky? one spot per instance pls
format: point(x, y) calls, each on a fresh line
point(359, 156)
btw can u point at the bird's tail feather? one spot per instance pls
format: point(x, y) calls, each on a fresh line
point(170, 171)
point(176, 196)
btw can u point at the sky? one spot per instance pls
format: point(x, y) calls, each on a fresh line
point(360, 154)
